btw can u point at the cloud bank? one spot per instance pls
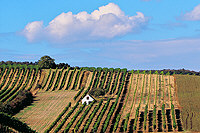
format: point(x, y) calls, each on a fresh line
point(105, 23)
point(193, 15)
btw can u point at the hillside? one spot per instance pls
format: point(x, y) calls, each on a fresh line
point(188, 96)
point(133, 100)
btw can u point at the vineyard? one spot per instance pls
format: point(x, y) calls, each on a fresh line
point(132, 100)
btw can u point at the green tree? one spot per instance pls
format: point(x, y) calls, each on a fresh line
point(46, 62)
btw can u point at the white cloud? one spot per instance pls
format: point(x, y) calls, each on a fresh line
point(105, 23)
point(193, 15)
point(33, 29)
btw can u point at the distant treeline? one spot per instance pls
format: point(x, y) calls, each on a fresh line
point(65, 65)
point(59, 66)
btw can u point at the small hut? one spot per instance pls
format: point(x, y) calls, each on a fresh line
point(88, 99)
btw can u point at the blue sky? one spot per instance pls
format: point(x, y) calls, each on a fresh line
point(139, 34)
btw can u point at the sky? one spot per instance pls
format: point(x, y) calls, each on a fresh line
point(133, 34)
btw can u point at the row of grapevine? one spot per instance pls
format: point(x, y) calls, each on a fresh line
point(76, 79)
point(28, 78)
point(6, 88)
point(52, 79)
point(116, 81)
point(118, 116)
point(87, 90)
point(146, 107)
point(70, 79)
point(104, 79)
point(92, 116)
point(109, 82)
point(80, 91)
point(58, 79)
point(64, 79)
point(155, 101)
point(47, 79)
point(83, 117)
point(5, 77)
point(172, 107)
point(13, 90)
point(66, 117)
point(74, 118)
point(106, 123)
point(138, 108)
point(96, 125)
point(128, 115)
point(34, 78)
point(97, 78)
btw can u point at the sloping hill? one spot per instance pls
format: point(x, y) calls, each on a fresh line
point(130, 100)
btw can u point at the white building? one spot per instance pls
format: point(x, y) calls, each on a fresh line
point(88, 99)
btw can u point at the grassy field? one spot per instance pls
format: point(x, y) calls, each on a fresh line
point(189, 98)
point(45, 109)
